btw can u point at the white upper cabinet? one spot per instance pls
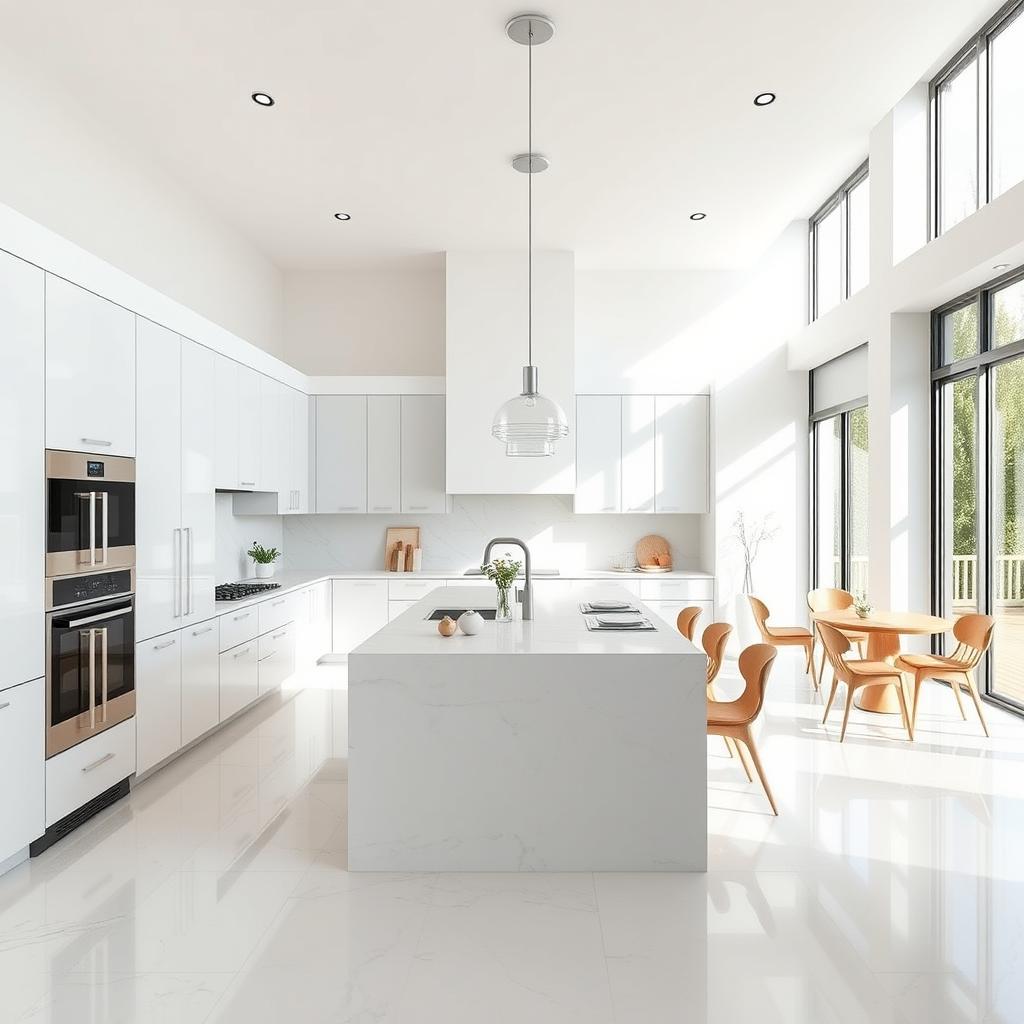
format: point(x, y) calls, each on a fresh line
point(681, 453)
point(643, 453)
point(341, 453)
point(90, 371)
point(158, 539)
point(227, 426)
point(22, 509)
point(249, 433)
point(383, 453)
point(198, 503)
point(638, 453)
point(275, 427)
point(598, 462)
point(423, 453)
point(298, 463)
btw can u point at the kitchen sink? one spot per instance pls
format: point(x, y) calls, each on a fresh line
point(439, 613)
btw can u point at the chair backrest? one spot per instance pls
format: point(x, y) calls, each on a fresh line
point(714, 640)
point(829, 599)
point(760, 612)
point(686, 621)
point(755, 663)
point(836, 645)
point(974, 632)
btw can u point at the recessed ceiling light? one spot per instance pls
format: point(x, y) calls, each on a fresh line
point(697, 216)
point(263, 99)
point(343, 216)
point(763, 99)
point(1001, 266)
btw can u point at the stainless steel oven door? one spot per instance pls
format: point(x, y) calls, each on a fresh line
point(90, 512)
point(90, 671)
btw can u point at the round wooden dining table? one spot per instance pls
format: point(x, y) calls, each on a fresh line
point(884, 630)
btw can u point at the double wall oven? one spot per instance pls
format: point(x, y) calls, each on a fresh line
point(90, 596)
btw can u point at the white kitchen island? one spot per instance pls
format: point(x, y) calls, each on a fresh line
point(533, 746)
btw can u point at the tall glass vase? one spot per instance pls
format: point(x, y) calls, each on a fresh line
point(504, 605)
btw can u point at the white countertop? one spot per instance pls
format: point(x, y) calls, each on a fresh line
point(558, 627)
point(296, 579)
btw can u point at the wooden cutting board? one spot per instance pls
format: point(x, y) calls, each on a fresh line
point(653, 550)
point(409, 538)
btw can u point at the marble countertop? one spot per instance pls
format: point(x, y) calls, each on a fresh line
point(295, 579)
point(558, 627)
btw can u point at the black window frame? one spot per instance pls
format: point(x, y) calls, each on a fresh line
point(979, 365)
point(977, 45)
point(843, 411)
point(841, 197)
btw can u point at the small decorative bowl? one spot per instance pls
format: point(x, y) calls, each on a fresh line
point(471, 622)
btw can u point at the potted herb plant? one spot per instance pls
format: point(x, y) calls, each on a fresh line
point(264, 559)
point(502, 572)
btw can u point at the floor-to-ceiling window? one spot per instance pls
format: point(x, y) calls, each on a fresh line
point(978, 531)
point(978, 106)
point(840, 474)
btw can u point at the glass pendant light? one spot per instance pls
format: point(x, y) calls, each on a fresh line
point(529, 424)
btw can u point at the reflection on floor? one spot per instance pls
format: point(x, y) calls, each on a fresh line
point(888, 892)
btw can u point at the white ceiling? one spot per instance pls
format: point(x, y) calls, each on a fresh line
point(405, 114)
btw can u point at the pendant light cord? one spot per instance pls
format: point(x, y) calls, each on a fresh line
point(529, 258)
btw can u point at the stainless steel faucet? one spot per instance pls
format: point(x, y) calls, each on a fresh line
point(524, 596)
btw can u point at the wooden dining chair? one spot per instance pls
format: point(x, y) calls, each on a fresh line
point(714, 642)
point(686, 621)
point(973, 634)
point(784, 636)
point(855, 674)
point(733, 719)
point(832, 599)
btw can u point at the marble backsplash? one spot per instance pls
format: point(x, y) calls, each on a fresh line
point(235, 535)
point(558, 538)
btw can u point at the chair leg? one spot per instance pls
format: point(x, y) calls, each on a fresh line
point(918, 681)
point(742, 759)
point(831, 698)
point(728, 745)
point(810, 664)
point(752, 750)
point(903, 710)
point(955, 687)
point(846, 712)
point(821, 667)
point(973, 689)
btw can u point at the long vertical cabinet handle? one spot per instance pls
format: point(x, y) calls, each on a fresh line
point(188, 569)
point(176, 555)
point(104, 671)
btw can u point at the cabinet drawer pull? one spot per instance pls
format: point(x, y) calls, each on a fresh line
point(348, 508)
point(103, 760)
point(669, 508)
point(383, 508)
point(239, 654)
point(608, 508)
point(277, 636)
point(7, 705)
point(268, 657)
point(98, 443)
point(200, 632)
point(238, 618)
point(418, 508)
point(247, 483)
point(274, 604)
point(167, 643)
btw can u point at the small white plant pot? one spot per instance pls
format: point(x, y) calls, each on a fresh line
point(264, 570)
point(471, 623)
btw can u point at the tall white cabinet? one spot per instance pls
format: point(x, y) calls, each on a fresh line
point(175, 517)
point(643, 454)
point(383, 453)
point(341, 453)
point(22, 509)
point(423, 454)
point(90, 371)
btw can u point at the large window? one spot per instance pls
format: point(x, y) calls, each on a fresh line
point(979, 429)
point(839, 245)
point(978, 120)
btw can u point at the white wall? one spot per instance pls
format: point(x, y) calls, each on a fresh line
point(66, 170)
point(234, 536)
point(388, 321)
point(558, 538)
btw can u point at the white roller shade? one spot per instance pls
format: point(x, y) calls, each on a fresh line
point(841, 380)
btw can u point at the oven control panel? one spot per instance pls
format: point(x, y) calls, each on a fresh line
point(64, 591)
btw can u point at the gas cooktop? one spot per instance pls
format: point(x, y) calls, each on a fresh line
point(236, 591)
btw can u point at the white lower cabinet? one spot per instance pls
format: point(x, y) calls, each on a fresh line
point(276, 655)
point(157, 699)
point(77, 775)
point(358, 609)
point(22, 766)
point(239, 678)
point(313, 638)
point(200, 680)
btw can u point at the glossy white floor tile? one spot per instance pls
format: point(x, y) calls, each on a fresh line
point(889, 891)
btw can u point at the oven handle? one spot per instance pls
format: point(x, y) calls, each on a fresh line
point(104, 497)
point(91, 495)
point(103, 671)
point(91, 634)
point(99, 618)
